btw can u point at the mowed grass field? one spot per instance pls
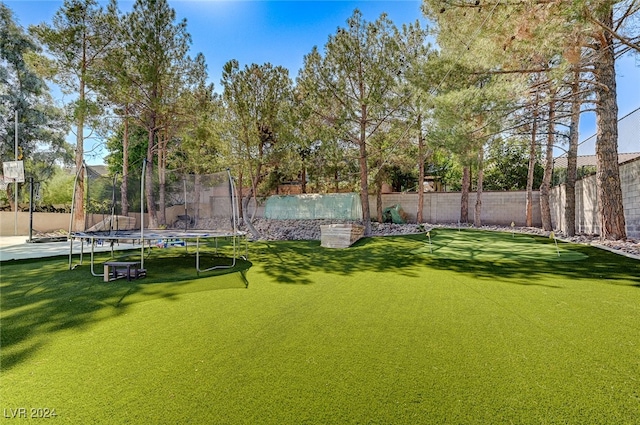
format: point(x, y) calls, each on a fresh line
point(474, 328)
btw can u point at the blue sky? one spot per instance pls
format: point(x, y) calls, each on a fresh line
point(281, 32)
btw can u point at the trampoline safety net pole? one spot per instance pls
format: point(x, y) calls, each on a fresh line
point(234, 206)
point(144, 171)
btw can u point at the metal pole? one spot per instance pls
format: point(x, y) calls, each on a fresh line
point(15, 187)
point(234, 205)
point(142, 184)
point(30, 209)
point(113, 206)
point(186, 212)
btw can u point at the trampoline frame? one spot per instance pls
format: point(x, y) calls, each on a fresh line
point(143, 235)
point(146, 242)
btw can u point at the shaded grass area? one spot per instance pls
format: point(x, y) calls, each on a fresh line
point(383, 332)
point(41, 296)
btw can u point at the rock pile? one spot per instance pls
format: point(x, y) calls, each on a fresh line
point(310, 229)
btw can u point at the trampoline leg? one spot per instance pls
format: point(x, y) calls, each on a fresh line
point(93, 242)
point(198, 256)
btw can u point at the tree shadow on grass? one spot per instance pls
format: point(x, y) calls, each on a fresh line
point(41, 297)
point(519, 263)
point(170, 279)
point(294, 262)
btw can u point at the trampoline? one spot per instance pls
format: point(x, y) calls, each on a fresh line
point(197, 209)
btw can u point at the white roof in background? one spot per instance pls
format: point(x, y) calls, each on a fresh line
point(590, 160)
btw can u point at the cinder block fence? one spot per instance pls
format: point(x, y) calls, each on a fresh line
point(587, 202)
point(498, 208)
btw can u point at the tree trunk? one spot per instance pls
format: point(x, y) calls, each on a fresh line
point(532, 164)
point(124, 187)
point(152, 221)
point(195, 209)
point(254, 178)
point(572, 158)
point(79, 207)
point(464, 194)
point(477, 220)
point(239, 196)
point(609, 190)
point(378, 182)
point(162, 180)
point(247, 220)
point(11, 196)
point(303, 179)
point(545, 187)
point(364, 174)
point(421, 160)
point(379, 201)
point(364, 190)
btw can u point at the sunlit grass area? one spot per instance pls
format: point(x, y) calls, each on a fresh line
point(495, 247)
point(476, 327)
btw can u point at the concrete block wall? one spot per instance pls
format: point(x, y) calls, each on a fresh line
point(586, 207)
point(442, 207)
point(45, 222)
point(630, 181)
point(498, 208)
point(42, 222)
point(557, 201)
point(587, 202)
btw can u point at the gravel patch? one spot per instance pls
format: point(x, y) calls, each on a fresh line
point(310, 229)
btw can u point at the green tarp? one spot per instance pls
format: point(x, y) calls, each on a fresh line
point(393, 214)
point(339, 206)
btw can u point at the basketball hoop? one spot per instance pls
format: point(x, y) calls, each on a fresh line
point(13, 172)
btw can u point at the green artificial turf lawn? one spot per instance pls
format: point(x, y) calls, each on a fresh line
point(475, 329)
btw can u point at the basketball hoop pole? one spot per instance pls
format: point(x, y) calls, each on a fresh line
point(15, 187)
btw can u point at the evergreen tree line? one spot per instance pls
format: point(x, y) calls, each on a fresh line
point(483, 107)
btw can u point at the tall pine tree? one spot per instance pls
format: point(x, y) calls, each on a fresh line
point(77, 42)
